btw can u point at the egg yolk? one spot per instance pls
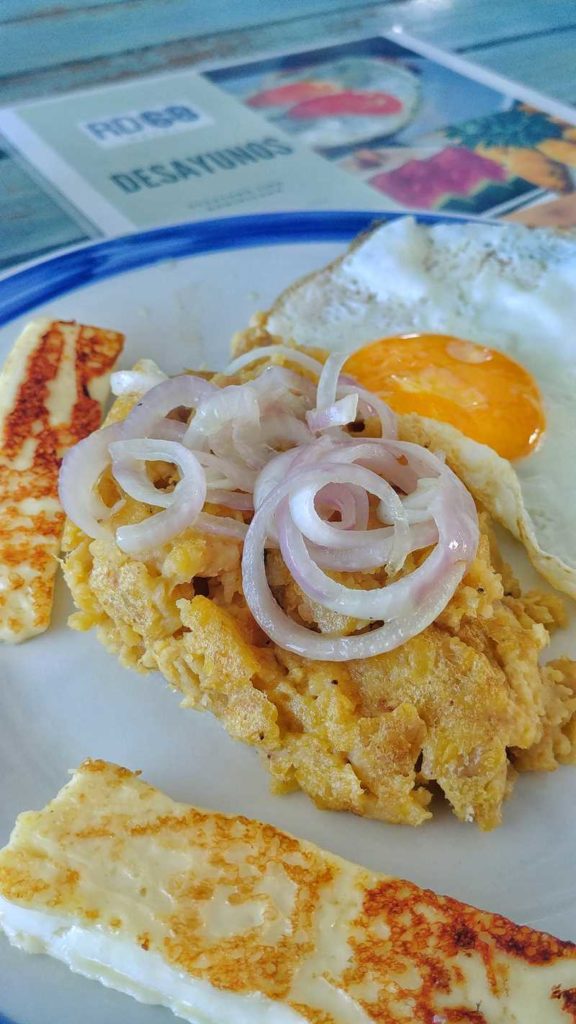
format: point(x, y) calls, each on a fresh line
point(484, 393)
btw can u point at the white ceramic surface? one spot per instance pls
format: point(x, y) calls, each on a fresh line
point(63, 698)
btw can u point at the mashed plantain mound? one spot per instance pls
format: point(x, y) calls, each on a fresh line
point(461, 707)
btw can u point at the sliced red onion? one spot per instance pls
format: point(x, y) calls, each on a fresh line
point(269, 351)
point(186, 391)
point(419, 498)
point(248, 446)
point(404, 464)
point(82, 467)
point(350, 502)
point(408, 604)
point(278, 382)
point(339, 414)
point(373, 555)
point(133, 480)
point(227, 455)
point(306, 518)
point(280, 428)
point(226, 471)
point(221, 525)
point(134, 382)
point(231, 499)
point(370, 405)
point(223, 443)
point(283, 428)
point(328, 381)
point(417, 504)
point(169, 430)
point(296, 638)
point(188, 496)
point(223, 478)
point(399, 461)
point(237, 403)
point(274, 473)
point(393, 601)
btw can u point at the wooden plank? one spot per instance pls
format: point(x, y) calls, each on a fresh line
point(33, 222)
point(547, 64)
point(469, 24)
point(17, 10)
point(84, 30)
point(188, 51)
point(465, 23)
point(110, 29)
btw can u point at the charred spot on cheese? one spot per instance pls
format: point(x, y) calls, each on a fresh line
point(52, 389)
point(567, 998)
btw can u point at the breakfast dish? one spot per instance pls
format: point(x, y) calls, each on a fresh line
point(52, 390)
point(367, 663)
point(442, 714)
point(229, 921)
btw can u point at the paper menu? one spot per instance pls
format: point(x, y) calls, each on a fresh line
point(371, 123)
point(168, 149)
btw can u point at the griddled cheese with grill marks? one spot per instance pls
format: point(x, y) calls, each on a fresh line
point(52, 389)
point(230, 921)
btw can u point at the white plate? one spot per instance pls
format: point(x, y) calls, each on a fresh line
point(178, 294)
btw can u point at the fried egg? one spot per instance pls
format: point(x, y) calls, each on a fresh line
point(505, 287)
point(487, 395)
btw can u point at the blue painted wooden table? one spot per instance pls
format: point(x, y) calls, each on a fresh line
point(50, 48)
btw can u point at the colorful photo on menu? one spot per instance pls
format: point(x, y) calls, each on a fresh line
point(421, 134)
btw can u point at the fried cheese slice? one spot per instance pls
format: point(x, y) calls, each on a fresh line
point(52, 390)
point(229, 921)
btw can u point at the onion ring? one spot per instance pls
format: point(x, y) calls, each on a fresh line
point(406, 605)
point(293, 355)
point(187, 498)
point(186, 391)
point(296, 638)
point(136, 382)
point(81, 469)
point(314, 501)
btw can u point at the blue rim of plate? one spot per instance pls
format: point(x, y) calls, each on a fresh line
point(24, 290)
